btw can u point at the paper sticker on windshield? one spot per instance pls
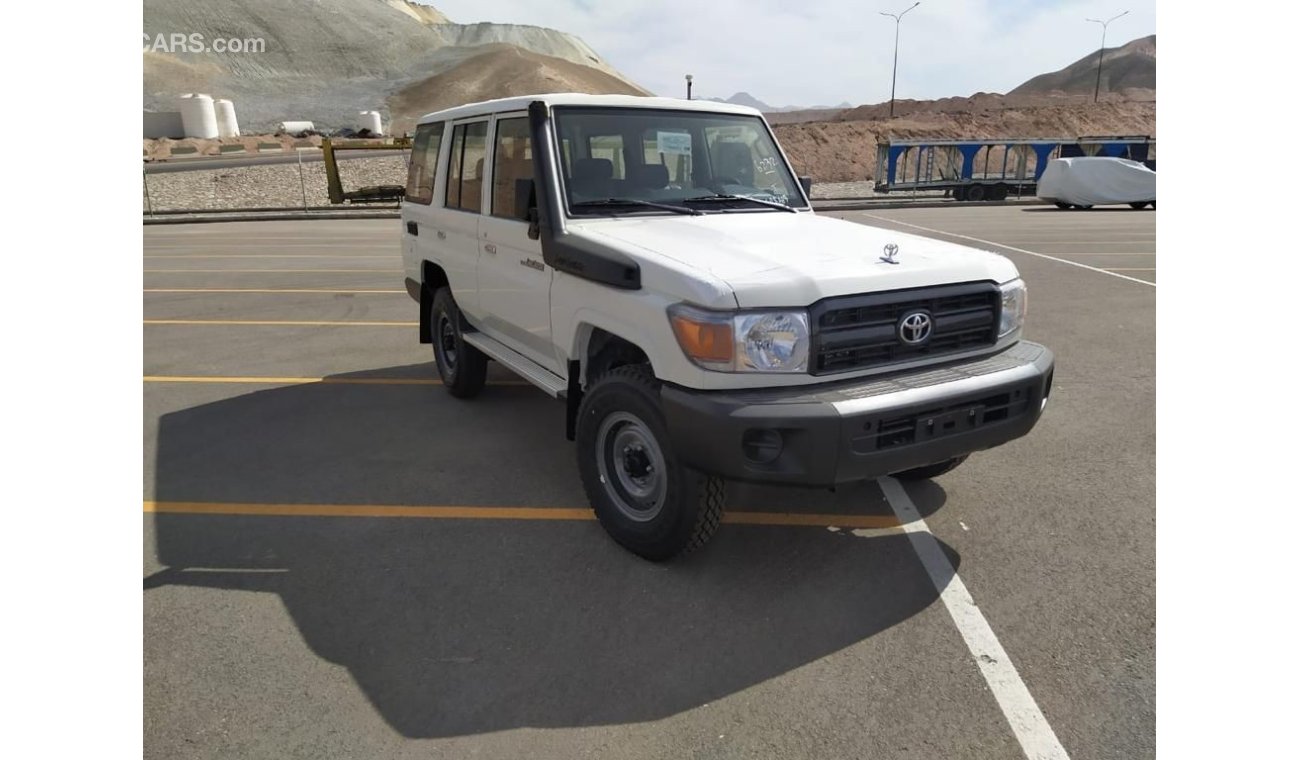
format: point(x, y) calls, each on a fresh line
point(674, 143)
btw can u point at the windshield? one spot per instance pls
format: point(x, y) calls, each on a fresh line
point(616, 159)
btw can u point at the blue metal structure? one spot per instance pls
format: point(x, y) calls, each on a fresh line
point(990, 169)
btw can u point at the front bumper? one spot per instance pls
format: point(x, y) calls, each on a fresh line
point(861, 429)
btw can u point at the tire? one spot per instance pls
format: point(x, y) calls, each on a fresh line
point(645, 498)
point(1000, 192)
point(959, 193)
point(462, 367)
point(1138, 206)
point(1077, 205)
point(931, 470)
point(1062, 206)
point(976, 193)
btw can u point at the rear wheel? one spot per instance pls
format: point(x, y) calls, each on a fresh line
point(1000, 192)
point(645, 498)
point(931, 470)
point(462, 367)
point(1139, 206)
point(1062, 206)
point(959, 193)
point(976, 193)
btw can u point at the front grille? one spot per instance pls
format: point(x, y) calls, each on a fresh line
point(861, 332)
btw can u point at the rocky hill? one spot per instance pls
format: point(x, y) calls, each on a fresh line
point(326, 60)
point(1128, 67)
point(502, 70)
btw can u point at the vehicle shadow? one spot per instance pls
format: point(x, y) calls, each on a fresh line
point(457, 627)
point(1094, 210)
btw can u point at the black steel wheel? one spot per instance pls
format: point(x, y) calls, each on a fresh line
point(931, 470)
point(645, 498)
point(462, 367)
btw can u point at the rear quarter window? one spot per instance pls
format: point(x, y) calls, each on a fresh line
point(423, 169)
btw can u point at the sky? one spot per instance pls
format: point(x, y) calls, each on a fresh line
point(824, 52)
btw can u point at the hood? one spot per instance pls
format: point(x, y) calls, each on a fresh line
point(782, 259)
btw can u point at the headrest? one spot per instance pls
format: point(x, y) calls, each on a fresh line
point(593, 168)
point(649, 175)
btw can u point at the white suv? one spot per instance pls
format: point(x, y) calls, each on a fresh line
point(656, 265)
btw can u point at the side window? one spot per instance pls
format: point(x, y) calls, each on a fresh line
point(465, 169)
point(512, 162)
point(423, 169)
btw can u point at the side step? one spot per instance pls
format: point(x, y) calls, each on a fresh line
point(554, 385)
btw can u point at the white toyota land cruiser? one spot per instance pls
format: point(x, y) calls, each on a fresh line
point(655, 264)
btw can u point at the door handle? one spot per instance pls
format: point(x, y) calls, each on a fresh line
point(442, 235)
point(412, 228)
point(489, 247)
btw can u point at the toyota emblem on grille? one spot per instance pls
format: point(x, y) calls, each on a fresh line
point(891, 251)
point(915, 328)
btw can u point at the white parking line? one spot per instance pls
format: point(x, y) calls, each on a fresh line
point(1010, 248)
point(1036, 737)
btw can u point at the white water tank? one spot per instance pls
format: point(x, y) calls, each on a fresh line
point(227, 124)
point(372, 121)
point(294, 127)
point(198, 116)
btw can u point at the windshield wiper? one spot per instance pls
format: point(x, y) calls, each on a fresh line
point(724, 197)
point(636, 202)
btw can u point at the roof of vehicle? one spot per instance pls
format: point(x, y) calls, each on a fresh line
point(520, 103)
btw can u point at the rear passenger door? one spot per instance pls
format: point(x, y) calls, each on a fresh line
point(514, 282)
point(457, 225)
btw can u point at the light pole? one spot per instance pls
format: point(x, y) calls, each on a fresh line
point(898, 21)
point(688, 86)
point(1101, 53)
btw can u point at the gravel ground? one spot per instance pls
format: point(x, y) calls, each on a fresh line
point(267, 186)
point(281, 186)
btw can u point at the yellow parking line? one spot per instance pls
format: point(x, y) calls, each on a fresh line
point(494, 513)
point(275, 323)
point(262, 290)
point(264, 256)
point(293, 380)
point(218, 380)
point(278, 271)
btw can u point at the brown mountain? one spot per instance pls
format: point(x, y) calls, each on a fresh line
point(500, 71)
point(1128, 67)
point(325, 60)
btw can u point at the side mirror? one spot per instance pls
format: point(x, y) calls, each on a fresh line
point(526, 206)
point(534, 228)
point(806, 184)
point(525, 198)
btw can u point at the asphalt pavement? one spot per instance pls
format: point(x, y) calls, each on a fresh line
point(342, 560)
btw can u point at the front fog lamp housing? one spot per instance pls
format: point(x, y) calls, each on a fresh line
point(1014, 304)
point(745, 341)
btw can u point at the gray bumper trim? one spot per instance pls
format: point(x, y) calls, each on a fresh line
point(1023, 361)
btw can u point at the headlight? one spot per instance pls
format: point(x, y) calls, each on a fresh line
point(745, 341)
point(1015, 301)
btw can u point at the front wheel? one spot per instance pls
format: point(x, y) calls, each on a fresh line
point(931, 470)
point(644, 496)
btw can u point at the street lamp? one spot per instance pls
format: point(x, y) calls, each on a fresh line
point(1101, 53)
point(898, 20)
point(688, 86)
